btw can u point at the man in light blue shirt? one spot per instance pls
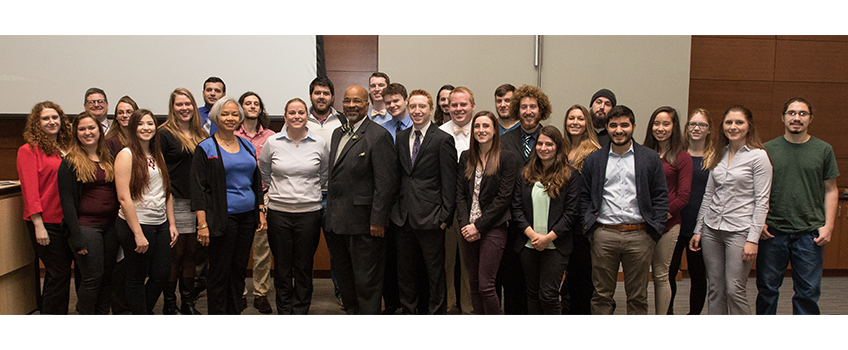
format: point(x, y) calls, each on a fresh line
point(377, 109)
point(395, 98)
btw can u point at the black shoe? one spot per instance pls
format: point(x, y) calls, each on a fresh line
point(169, 297)
point(261, 303)
point(187, 297)
point(341, 303)
point(199, 287)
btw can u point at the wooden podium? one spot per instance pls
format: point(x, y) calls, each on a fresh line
point(17, 276)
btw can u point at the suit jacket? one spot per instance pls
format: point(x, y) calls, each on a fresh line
point(362, 181)
point(603, 138)
point(651, 189)
point(427, 195)
point(513, 142)
point(562, 212)
point(495, 192)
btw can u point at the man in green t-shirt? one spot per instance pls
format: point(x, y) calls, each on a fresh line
point(802, 210)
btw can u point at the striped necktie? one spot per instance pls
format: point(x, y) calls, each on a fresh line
point(527, 145)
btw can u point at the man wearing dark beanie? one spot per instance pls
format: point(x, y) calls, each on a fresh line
point(601, 103)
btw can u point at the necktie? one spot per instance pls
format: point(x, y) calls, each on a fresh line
point(527, 145)
point(398, 127)
point(459, 129)
point(346, 129)
point(207, 125)
point(376, 112)
point(416, 145)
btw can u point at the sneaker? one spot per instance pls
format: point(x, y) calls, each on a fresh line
point(261, 303)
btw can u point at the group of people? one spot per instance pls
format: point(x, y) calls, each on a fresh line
point(426, 206)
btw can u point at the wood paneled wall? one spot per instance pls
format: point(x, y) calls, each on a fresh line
point(11, 138)
point(763, 72)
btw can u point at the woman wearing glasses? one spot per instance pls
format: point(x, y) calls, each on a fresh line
point(116, 138)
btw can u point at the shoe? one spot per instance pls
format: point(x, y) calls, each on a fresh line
point(341, 303)
point(199, 287)
point(187, 297)
point(169, 296)
point(261, 303)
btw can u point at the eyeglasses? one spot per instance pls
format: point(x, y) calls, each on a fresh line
point(698, 125)
point(794, 113)
point(93, 102)
point(355, 101)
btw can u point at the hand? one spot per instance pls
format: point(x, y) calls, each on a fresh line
point(470, 233)
point(749, 252)
point(174, 235)
point(378, 231)
point(263, 222)
point(540, 242)
point(83, 252)
point(203, 236)
point(824, 235)
point(669, 216)
point(695, 243)
point(140, 244)
point(765, 234)
point(41, 235)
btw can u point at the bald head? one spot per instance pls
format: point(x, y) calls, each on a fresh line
point(355, 103)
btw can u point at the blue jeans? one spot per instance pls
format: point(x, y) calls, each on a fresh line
point(806, 258)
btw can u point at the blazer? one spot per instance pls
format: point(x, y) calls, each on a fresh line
point(209, 186)
point(562, 212)
point(651, 189)
point(495, 192)
point(362, 181)
point(513, 142)
point(427, 194)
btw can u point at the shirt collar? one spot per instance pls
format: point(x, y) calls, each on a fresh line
point(532, 134)
point(423, 129)
point(283, 134)
point(625, 153)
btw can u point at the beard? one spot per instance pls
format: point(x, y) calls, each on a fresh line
point(612, 140)
point(598, 122)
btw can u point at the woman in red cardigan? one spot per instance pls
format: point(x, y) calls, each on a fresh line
point(47, 135)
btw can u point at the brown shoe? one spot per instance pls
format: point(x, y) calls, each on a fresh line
point(261, 303)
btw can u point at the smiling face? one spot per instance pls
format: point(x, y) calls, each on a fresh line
point(296, 115)
point(321, 99)
point(528, 109)
point(355, 104)
point(444, 101)
point(545, 148)
point(375, 88)
point(88, 132)
point(183, 107)
point(483, 129)
point(797, 118)
point(50, 122)
point(502, 104)
point(96, 104)
point(699, 127)
point(123, 112)
point(620, 130)
point(146, 128)
point(395, 105)
point(461, 108)
point(662, 127)
point(735, 127)
point(419, 110)
point(575, 122)
point(212, 92)
point(229, 119)
point(251, 107)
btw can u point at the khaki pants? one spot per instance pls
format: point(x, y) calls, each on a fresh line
point(633, 251)
point(659, 269)
point(452, 237)
point(261, 262)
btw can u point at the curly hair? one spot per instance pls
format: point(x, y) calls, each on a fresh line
point(534, 92)
point(34, 135)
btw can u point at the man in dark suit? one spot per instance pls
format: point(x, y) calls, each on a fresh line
point(424, 205)
point(531, 106)
point(360, 191)
point(600, 105)
point(624, 207)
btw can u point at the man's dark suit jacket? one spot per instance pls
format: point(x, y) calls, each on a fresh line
point(513, 142)
point(562, 212)
point(495, 192)
point(651, 189)
point(603, 138)
point(427, 195)
point(362, 181)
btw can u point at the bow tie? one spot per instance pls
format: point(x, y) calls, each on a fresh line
point(459, 129)
point(346, 130)
point(376, 112)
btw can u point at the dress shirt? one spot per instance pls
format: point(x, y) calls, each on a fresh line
point(533, 136)
point(462, 140)
point(346, 137)
point(737, 194)
point(258, 140)
point(105, 123)
point(294, 171)
point(421, 139)
point(620, 205)
point(378, 118)
point(392, 124)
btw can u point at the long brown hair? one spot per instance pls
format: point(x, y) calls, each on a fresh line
point(262, 118)
point(752, 140)
point(675, 141)
point(439, 116)
point(118, 130)
point(494, 155)
point(140, 179)
point(77, 157)
point(173, 126)
point(558, 173)
point(34, 135)
point(589, 139)
point(709, 147)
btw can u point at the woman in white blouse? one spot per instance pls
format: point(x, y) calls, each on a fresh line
point(733, 212)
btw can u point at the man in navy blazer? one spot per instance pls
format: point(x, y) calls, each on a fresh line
point(625, 207)
point(424, 204)
point(360, 191)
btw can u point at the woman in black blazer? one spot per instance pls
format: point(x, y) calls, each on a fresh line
point(485, 180)
point(545, 208)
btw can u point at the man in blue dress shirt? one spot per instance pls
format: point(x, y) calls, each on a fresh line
point(213, 90)
point(395, 99)
point(377, 110)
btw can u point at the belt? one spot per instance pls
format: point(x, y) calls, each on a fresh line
point(628, 227)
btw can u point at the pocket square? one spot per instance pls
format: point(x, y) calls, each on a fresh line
point(362, 154)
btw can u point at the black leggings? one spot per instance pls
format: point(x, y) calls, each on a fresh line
point(182, 257)
point(697, 275)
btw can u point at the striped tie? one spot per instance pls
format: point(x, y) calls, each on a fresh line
point(416, 145)
point(527, 145)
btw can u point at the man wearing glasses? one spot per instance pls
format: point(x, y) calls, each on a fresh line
point(802, 211)
point(97, 104)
